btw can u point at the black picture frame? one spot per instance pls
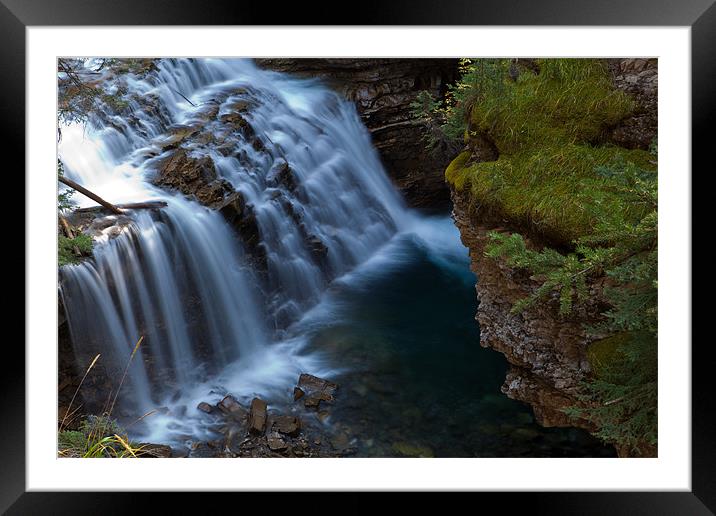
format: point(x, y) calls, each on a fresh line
point(700, 15)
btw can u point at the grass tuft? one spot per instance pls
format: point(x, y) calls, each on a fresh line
point(550, 130)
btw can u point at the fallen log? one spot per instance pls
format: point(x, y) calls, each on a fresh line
point(81, 189)
point(148, 205)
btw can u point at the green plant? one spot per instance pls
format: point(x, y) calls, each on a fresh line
point(71, 250)
point(549, 130)
point(98, 435)
point(80, 92)
point(64, 198)
point(621, 397)
point(95, 444)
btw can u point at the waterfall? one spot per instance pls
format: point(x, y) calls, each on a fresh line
point(214, 296)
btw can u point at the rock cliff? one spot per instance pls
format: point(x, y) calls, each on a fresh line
point(546, 352)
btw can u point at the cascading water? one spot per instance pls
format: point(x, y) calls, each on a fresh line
point(213, 321)
point(282, 248)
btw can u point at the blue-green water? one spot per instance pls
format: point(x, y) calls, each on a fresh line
point(414, 379)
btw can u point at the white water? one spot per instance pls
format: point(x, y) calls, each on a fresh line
point(181, 278)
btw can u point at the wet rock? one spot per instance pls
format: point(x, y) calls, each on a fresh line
point(234, 437)
point(110, 226)
point(276, 443)
point(311, 383)
point(287, 425)
point(154, 450)
point(316, 389)
point(298, 393)
point(240, 215)
point(312, 402)
point(257, 416)
point(192, 176)
point(205, 407)
point(180, 452)
point(340, 441)
point(175, 136)
point(383, 90)
point(316, 246)
point(229, 405)
point(281, 175)
point(239, 123)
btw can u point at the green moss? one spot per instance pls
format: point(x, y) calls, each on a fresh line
point(457, 174)
point(71, 250)
point(547, 128)
point(603, 353)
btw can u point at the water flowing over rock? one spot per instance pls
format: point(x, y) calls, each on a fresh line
point(272, 190)
point(382, 90)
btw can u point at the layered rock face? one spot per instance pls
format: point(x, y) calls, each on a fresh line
point(639, 78)
point(383, 90)
point(546, 352)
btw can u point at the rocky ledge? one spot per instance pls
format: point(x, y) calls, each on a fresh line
point(383, 90)
point(546, 352)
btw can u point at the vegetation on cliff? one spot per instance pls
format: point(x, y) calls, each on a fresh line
point(550, 171)
point(71, 247)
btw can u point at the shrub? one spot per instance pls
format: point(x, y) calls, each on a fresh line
point(621, 397)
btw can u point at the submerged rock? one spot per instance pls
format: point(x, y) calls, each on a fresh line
point(413, 450)
point(340, 441)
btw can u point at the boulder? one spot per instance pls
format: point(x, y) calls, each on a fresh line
point(205, 407)
point(150, 450)
point(298, 393)
point(287, 425)
point(309, 382)
point(257, 416)
point(316, 390)
point(229, 405)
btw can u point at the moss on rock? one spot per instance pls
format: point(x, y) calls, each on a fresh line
point(550, 131)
